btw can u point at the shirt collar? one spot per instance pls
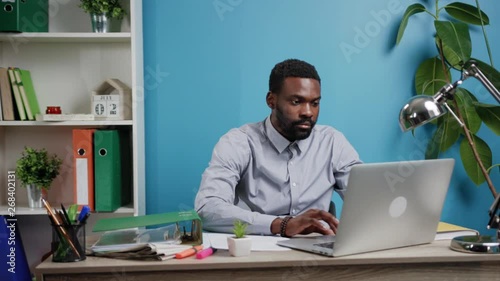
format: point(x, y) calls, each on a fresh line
point(280, 142)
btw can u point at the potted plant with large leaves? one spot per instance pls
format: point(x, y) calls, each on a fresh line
point(36, 170)
point(453, 54)
point(239, 244)
point(106, 15)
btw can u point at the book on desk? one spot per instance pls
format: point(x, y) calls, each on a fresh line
point(448, 231)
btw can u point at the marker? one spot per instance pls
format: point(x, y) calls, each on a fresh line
point(85, 218)
point(205, 253)
point(189, 252)
point(85, 210)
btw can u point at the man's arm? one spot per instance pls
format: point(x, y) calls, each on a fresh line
point(215, 201)
point(345, 156)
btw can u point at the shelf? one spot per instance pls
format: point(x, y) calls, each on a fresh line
point(66, 37)
point(26, 211)
point(67, 123)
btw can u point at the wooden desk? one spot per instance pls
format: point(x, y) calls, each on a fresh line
point(425, 262)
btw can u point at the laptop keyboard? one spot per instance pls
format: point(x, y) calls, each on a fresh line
point(325, 244)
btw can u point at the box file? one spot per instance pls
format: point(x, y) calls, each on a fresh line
point(24, 16)
point(83, 167)
point(107, 170)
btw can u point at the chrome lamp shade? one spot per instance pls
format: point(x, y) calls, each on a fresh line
point(418, 111)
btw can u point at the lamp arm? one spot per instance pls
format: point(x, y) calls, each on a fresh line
point(473, 71)
point(494, 219)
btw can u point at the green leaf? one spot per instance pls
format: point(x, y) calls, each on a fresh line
point(430, 76)
point(456, 37)
point(471, 166)
point(411, 10)
point(466, 102)
point(490, 114)
point(432, 151)
point(466, 13)
point(444, 137)
point(451, 132)
point(449, 54)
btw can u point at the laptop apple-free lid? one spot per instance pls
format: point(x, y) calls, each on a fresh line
point(386, 205)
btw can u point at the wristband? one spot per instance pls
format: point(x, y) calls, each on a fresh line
point(283, 224)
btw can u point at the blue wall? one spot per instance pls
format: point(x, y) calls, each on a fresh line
point(207, 65)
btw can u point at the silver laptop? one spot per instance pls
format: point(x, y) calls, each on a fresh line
point(386, 205)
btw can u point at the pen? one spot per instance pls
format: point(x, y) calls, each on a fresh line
point(189, 252)
point(65, 215)
point(205, 253)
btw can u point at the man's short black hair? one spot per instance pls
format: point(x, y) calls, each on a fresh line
point(290, 68)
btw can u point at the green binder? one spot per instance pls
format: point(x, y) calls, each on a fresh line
point(107, 171)
point(24, 16)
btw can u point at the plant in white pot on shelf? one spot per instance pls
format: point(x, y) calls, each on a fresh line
point(106, 15)
point(36, 170)
point(239, 244)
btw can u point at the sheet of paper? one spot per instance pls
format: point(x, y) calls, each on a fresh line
point(259, 243)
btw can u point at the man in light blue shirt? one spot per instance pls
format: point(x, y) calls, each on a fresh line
point(279, 175)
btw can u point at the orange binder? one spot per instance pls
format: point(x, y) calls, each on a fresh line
point(83, 167)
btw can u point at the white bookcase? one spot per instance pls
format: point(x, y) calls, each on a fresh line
point(66, 64)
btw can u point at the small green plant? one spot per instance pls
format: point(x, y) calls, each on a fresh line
point(37, 167)
point(240, 229)
point(110, 8)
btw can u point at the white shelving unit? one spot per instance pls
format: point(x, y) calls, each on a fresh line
point(66, 64)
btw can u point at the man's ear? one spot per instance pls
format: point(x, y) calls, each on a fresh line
point(271, 100)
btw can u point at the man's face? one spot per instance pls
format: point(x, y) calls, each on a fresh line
point(295, 109)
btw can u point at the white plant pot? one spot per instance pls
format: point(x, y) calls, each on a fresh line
point(239, 247)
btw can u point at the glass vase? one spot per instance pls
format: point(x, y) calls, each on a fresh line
point(34, 196)
point(104, 24)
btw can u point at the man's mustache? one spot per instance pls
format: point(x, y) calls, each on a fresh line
point(304, 121)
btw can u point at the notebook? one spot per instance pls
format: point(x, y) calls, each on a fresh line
point(386, 205)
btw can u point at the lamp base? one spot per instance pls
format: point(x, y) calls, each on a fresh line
point(477, 244)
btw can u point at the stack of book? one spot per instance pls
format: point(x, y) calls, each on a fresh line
point(18, 100)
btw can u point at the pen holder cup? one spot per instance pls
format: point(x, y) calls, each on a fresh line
point(68, 243)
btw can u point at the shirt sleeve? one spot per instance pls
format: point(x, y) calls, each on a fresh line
point(215, 201)
point(345, 156)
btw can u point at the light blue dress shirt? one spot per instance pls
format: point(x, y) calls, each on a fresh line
point(256, 174)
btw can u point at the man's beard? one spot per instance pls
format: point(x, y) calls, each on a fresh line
point(290, 129)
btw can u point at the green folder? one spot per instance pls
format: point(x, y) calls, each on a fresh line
point(189, 218)
point(24, 16)
point(107, 171)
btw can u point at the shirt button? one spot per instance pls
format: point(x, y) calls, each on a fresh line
point(294, 184)
point(294, 212)
point(291, 163)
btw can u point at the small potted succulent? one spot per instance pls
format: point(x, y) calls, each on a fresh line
point(106, 15)
point(36, 170)
point(239, 244)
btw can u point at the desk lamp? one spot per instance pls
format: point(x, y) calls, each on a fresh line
point(422, 109)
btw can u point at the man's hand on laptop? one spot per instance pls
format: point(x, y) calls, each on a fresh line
point(313, 220)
